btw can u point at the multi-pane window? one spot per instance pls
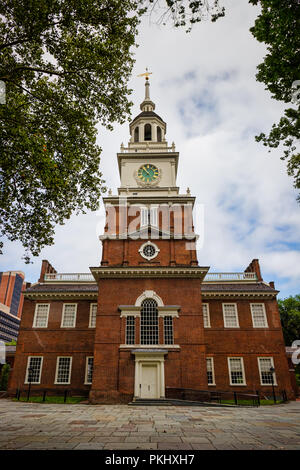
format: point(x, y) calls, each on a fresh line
point(130, 329)
point(63, 370)
point(69, 315)
point(34, 368)
point(210, 371)
point(93, 315)
point(89, 370)
point(264, 364)
point(206, 318)
point(149, 322)
point(259, 318)
point(41, 316)
point(230, 316)
point(236, 371)
point(168, 330)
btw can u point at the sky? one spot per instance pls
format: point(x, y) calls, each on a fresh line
point(203, 84)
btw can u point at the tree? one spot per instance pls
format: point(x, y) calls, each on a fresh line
point(289, 310)
point(65, 65)
point(184, 13)
point(278, 26)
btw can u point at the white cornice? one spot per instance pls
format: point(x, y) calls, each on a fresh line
point(105, 272)
point(61, 295)
point(238, 294)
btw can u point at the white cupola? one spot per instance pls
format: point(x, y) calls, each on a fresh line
point(147, 129)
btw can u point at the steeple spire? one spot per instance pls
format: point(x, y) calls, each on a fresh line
point(147, 104)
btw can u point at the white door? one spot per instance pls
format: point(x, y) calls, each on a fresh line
point(149, 381)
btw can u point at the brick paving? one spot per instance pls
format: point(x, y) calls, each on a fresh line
point(49, 426)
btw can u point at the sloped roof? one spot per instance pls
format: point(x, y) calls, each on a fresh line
point(232, 287)
point(148, 114)
point(63, 288)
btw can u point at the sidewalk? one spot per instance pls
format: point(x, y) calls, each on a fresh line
point(49, 426)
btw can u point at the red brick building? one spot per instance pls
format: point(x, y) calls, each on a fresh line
point(149, 317)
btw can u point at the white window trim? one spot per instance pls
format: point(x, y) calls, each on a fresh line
point(243, 371)
point(274, 373)
point(86, 370)
point(35, 315)
point(90, 319)
point(70, 370)
point(236, 314)
point(264, 312)
point(213, 370)
point(63, 314)
point(27, 367)
point(148, 258)
point(208, 316)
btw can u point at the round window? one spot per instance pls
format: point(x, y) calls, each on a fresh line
point(149, 251)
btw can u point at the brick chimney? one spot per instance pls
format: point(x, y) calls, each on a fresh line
point(254, 268)
point(46, 268)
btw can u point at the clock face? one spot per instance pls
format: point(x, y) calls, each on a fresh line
point(148, 173)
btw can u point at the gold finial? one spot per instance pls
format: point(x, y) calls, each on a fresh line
point(146, 74)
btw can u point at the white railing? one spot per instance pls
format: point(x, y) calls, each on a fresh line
point(147, 149)
point(69, 277)
point(88, 277)
point(230, 277)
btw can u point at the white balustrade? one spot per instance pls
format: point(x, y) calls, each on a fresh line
point(230, 277)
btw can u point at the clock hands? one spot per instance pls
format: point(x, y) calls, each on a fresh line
point(146, 171)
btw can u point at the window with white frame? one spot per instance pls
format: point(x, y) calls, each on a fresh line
point(93, 315)
point(89, 370)
point(259, 318)
point(130, 329)
point(210, 371)
point(264, 365)
point(34, 369)
point(230, 316)
point(41, 315)
point(168, 330)
point(149, 322)
point(236, 371)
point(63, 370)
point(206, 317)
point(69, 316)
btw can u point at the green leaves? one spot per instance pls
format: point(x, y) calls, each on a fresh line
point(278, 26)
point(185, 13)
point(66, 66)
point(289, 309)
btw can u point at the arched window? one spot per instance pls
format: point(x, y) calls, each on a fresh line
point(149, 322)
point(147, 132)
point(158, 134)
point(136, 134)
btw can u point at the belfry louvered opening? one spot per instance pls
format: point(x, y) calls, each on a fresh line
point(149, 322)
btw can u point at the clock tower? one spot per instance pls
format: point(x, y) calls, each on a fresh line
point(149, 332)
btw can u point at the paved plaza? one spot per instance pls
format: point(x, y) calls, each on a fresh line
point(49, 426)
